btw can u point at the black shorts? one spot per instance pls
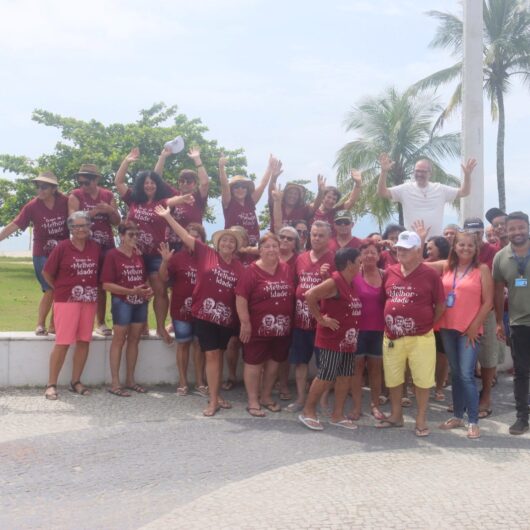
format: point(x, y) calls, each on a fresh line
point(439, 342)
point(212, 336)
point(370, 344)
point(334, 364)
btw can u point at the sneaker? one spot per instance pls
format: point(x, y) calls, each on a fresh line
point(519, 427)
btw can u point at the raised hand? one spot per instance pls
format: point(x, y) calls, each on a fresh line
point(162, 212)
point(386, 163)
point(133, 156)
point(321, 180)
point(419, 227)
point(469, 166)
point(223, 160)
point(166, 152)
point(188, 199)
point(165, 251)
point(195, 153)
point(276, 168)
point(356, 176)
point(277, 193)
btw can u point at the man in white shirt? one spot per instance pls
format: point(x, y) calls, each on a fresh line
point(420, 198)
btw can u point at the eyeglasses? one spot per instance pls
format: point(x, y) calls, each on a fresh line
point(303, 233)
point(286, 238)
point(239, 185)
point(43, 186)
point(132, 234)
point(186, 180)
point(79, 227)
point(343, 222)
point(84, 182)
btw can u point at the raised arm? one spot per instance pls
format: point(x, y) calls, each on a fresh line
point(321, 180)
point(180, 199)
point(386, 167)
point(356, 190)
point(195, 154)
point(274, 170)
point(161, 162)
point(120, 178)
point(188, 240)
point(166, 254)
point(226, 195)
point(467, 169)
point(277, 215)
point(326, 289)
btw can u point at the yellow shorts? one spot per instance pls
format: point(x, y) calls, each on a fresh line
point(419, 351)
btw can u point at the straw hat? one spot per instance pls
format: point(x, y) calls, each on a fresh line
point(241, 179)
point(48, 177)
point(299, 187)
point(236, 234)
point(89, 170)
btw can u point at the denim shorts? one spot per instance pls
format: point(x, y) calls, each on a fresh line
point(124, 313)
point(302, 346)
point(370, 344)
point(183, 331)
point(38, 265)
point(152, 263)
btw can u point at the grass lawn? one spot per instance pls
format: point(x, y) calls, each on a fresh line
point(20, 295)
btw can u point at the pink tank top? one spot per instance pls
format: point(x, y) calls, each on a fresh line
point(468, 299)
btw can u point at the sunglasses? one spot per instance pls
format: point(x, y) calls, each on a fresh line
point(84, 182)
point(303, 233)
point(43, 186)
point(186, 180)
point(286, 238)
point(240, 185)
point(343, 222)
point(132, 234)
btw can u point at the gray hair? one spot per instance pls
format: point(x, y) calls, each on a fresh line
point(75, 216)
point(322, 224)
point(291, 231)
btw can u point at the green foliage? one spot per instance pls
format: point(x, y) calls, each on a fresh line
point(106, 146)
point(399, 124)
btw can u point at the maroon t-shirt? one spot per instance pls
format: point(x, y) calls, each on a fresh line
point(245, 216)
point(125, 271)
point(307, 276)
point(182, 268)
point(49, 225)
point(152, 229)
point(101, 225)
point(410, 300)
point(354, 242)
point(298, 213)
point(486, 254)
point(185, 214)
point(328, 217)
point(247, 259)
point(270, 299)
point(214, 299)
point(346, 308)
point(386, 260)
point(75, 271)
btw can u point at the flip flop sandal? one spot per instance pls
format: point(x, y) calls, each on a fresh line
point(53, 395)
point(406, 402)
point(182, 391)
point(311, 423)
point(229, 384)
point(201, 391)
point(137, 388)
point(103, 331)
point(377, 414)
point(256, 412)
point(210, 413)
point(83, 391)
point(272, 406)
point(345, 424)
point(421, 433)
point(484, 413)
point(40, 331)
point(120, 392)
point(225, 405)
point(388, 424)
point(286, 396)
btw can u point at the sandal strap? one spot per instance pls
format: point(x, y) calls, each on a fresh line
point(51, 386)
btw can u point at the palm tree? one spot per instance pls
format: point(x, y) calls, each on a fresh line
point(399, 124)
point(506, 55)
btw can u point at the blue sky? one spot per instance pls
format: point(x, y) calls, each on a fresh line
point(268, 76)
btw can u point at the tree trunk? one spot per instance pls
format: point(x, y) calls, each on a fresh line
point(500, 150)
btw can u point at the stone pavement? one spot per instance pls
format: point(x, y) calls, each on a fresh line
point(152, 461)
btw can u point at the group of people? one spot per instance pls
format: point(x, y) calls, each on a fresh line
point(401, 306)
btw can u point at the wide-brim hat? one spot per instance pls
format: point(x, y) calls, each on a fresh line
point(216, 236)
point(48, 177)
point(176, 145)
point(88, 170)
point(299, 187)
point(236, 179)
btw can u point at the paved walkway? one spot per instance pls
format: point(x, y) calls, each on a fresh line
point(152, 461)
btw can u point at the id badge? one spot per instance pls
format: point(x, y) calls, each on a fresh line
point(521, 282)
point(450, 301)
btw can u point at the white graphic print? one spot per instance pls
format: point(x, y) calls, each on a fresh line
point(49, 246)
point(217, 313)
point(83, 294)
point(272, 326)
point(145, 241)
point(185, 310)
point(400, 326)
point(303, 313)
point(103, 238)
point(349, 342)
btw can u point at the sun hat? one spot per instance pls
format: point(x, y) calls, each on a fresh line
point(88, 170)
point(176, 145)
point(236, 234)
point(48, 177)
point(299, 187)
point(241, 179)
point(408, 239)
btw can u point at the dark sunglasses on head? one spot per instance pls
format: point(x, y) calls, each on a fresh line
point(343, 222)
point(43, 186)
point(287, 238)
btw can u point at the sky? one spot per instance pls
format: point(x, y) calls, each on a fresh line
point(267, 76)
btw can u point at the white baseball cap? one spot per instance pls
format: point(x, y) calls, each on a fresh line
point(408, 240)
point(176, 145)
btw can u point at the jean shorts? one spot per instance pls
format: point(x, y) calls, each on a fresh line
point(38, 265)
point(124, 313)
point(152, 263)
point(183, 331)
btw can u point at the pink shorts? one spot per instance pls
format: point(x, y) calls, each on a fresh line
point(74, 321)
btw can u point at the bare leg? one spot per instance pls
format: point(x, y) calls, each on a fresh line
point(252, 376)
point(442, 369)
point(283, 377)
point(57, 357)
point(422, 400)
point(118, 340)
point(270, 373)
point(301, 381)
point(396, 413)
point(232, 358)
point(357, 387)
point(342, 385)
point(318, 387)
point(374, 376)
point(183, 357)
point(214, 366)
point(80, 357)
point(160, 305)
point(102, 307)
point(45, 305)
point(487, 375)
point(131, 353)
point(198, 363)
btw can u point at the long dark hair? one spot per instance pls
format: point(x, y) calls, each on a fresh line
point(138, 193)
point(452, 260)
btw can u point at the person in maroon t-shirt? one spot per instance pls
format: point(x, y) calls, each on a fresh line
point(213, 300)
point(72, 271)
point(414, 302)
point(239, 197)
point(195, 183)
point(311, 268)
point(180, 268)
point(148, 192)
point(101, 206)
point(343, 237)
point(47, 212)
point(331, 202)
point(265, 302)
point(337, 331)
point(497, 218)
point(389, 254)
point(125, 277)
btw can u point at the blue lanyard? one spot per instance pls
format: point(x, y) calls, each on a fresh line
point(465, 272)
point(521, 262)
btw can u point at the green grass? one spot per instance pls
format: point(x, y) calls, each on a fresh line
point(20, 295)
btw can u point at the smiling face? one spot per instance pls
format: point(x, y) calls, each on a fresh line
point(369, 256)
point(343, 227)
point(44, 191)
point(433, 253)
point(450, 234)
point(408, 257)
point(269, 250)
point(466, 246)
point(422, 172)
point(149, 187)
point(517, 231)
point(239, 190)
point(499, 226)
point(330, 199)
point(227, 245)
point(291, 196)
point(287, 241)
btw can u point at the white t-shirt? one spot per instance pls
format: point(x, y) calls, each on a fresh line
point(425, 203)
